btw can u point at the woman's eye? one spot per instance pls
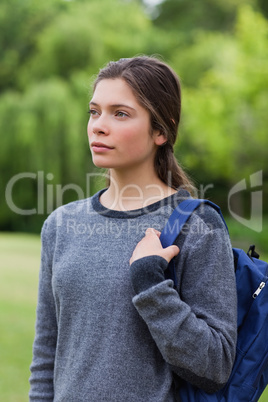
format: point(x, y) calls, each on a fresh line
point(121, 114)
point(92, 112)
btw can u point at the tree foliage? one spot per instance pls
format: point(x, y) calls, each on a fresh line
point(225, 114)
point(20, 23)
point(189, 16)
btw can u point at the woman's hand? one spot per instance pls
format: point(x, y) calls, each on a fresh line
point(151, 245)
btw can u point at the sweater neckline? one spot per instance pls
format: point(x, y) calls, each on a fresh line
point(172, 200)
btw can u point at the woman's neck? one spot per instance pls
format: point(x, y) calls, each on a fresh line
point(128, 192)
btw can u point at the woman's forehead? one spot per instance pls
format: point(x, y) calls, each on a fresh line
point(114, 92)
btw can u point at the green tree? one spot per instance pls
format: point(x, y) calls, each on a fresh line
point(86, 37)
point(20, 23)
point(48, 135)
point(225, 119)
point(189, 16)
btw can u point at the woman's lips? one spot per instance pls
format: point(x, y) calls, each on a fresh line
point(100, 147)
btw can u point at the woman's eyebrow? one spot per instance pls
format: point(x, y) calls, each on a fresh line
point(116, 105)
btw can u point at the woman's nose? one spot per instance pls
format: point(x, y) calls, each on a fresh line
point(100, 126)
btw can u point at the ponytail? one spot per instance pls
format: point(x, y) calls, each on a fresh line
point(170, 172)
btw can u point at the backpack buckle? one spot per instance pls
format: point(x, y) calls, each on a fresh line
point(252, 253)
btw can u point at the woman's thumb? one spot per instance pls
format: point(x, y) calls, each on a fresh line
point(170, 252)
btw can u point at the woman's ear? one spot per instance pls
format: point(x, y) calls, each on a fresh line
point(159, 138)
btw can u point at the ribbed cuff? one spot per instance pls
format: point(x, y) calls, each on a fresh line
point(147, 272)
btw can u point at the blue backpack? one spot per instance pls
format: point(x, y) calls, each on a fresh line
point(249, 376)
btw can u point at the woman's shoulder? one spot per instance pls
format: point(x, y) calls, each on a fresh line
point(204, 215)
point(73, 210)
point(208, 215)
point(205, 225)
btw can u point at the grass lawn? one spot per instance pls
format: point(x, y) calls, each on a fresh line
point(19, 266)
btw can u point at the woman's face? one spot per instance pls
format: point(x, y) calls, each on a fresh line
point(119, 129)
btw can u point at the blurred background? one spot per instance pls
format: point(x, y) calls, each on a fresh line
point(49, 54)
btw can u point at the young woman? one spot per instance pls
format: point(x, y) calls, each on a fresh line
point(109, 326)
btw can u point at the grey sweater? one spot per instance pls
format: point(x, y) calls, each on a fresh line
point(106, 331)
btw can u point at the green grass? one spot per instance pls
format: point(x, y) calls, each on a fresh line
point(19, 266)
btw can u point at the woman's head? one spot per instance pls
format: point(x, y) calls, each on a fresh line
point(157, 88)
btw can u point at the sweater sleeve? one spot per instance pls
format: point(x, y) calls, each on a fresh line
point(194, 327)
point(42, 367)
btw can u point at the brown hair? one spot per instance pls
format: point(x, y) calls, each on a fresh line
point(157, 88)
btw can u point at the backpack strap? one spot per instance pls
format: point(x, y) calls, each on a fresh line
point(176, 221)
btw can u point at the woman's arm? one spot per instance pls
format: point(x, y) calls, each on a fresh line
point(42, 367)
point(194, 328)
